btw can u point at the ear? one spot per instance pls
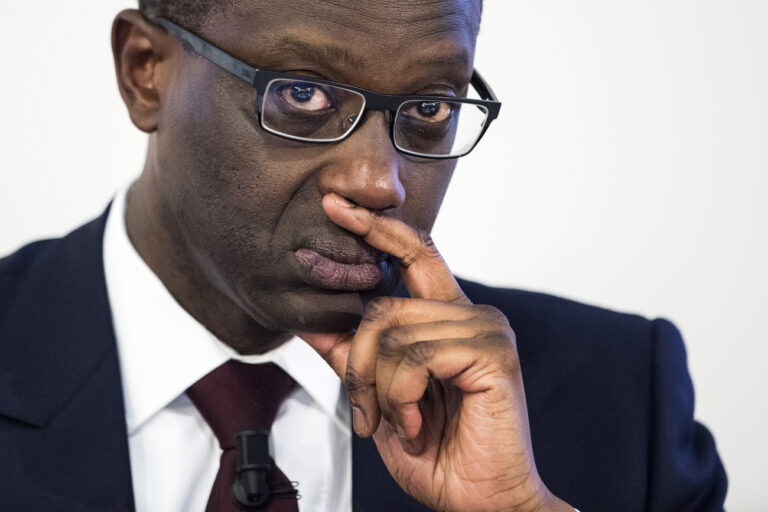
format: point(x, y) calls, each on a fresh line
point(139, 48)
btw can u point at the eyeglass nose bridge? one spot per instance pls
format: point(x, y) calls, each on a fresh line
point(390, 105)
point(356, 120)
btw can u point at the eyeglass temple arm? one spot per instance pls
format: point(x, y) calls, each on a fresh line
point(209, 52)
point(486, 93)
point(481, 86)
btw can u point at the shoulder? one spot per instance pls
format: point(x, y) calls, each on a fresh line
point(49, 268)
point(16, 268)
point(590, 358)
point(609, 393)
point(592, 350)
point(524, 303)
point(553, 324)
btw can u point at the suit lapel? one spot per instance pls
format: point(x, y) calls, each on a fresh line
point(66, 441)
point(62, 422)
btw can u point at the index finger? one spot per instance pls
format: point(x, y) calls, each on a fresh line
point(424, 271)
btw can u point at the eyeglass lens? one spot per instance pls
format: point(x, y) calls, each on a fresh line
point(438, 128)
point(320, 112)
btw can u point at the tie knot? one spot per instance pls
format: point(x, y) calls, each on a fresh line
point(239, 396)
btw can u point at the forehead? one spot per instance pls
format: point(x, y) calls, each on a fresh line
point(371, 43)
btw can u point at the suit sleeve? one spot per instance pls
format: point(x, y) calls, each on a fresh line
point(685, 473)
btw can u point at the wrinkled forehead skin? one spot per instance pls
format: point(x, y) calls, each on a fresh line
point(384, 45)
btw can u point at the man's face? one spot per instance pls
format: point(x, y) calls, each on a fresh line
point(245, 205)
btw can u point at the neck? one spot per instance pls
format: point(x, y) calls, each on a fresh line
point(150, 230)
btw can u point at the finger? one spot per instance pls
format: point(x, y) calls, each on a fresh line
point(425, 273)
point(422, 362)
point(360, 380)
point(483, 330)
point(487, 348)
point(436, 330)
point(381, 314)
point(336, 349)
point(395, 341)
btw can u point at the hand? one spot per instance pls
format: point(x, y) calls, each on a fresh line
point(436, 381)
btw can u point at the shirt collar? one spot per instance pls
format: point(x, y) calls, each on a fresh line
point(163, 350)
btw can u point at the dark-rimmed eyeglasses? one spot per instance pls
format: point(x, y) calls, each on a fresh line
point(312, 110)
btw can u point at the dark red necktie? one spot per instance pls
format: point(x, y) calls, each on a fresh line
point(239, 402)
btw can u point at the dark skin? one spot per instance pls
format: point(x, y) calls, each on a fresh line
point(222, 207)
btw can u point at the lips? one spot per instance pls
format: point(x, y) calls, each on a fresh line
point(353, 270)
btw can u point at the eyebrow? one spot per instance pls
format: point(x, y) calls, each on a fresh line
point(337, 56)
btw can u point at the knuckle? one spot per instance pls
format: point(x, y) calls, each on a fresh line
point(510, 363)
point(390, 341)
point(410, 255)
point(378, 307)
point(490, 313)
point(458, 297)
point(354, 382)
point(503, 352)
point(511, 337)
point(393, 404)
point(425, 248)
point(420, 353)
point(501, 340)
point(426, 239)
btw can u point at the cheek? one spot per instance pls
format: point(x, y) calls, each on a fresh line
point(217, 179)
point(215, 149)
point(425, 187)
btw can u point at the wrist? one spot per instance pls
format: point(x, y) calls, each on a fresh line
point(556, 505)
point(543, 501)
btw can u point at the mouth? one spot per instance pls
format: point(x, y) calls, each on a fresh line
point(344, 270)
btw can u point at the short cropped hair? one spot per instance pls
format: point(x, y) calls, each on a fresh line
point(191, 14)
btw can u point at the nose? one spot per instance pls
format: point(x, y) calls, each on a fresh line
point(365, 167)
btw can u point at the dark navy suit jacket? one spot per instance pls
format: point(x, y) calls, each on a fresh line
point(609, 398)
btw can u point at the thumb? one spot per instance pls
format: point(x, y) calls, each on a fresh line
point(333, 347)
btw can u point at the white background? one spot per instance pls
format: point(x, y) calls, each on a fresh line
point(629, 169)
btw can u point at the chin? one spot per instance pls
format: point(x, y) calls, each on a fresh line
point(312, 310)
point(334, 321)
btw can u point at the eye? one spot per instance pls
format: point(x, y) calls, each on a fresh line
point(305, 96)
point(430, 111)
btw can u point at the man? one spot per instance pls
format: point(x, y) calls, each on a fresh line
point(298, 155)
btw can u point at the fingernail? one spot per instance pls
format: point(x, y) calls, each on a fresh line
point(343, 202)
point(400, 431)
point(358, 419)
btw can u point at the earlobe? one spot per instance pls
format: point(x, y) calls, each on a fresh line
point(137, 47)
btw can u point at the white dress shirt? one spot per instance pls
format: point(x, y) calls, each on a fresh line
point(163, 350)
